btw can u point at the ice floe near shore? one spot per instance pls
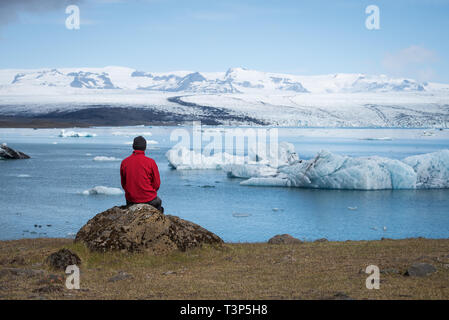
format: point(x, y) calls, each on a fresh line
point(101, 190)
point(103, 158)
point(325, 171)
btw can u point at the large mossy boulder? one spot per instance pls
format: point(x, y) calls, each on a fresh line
point(142, 228)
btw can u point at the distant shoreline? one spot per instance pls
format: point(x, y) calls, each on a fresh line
point(89, 117)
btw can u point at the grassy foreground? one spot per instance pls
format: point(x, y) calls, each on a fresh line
point(318, 270)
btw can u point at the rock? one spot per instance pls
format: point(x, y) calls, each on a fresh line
point(7, 153)
point(51, 288)
point(341, 296)
point(284, 239)
point(17, 261)
point(390, 271)
point(321, 240)
point(142, 228)
point(288, 259)
point(52, 279)
point(121, 276)
point(63, 258)
point(420, 270)
point(21, 272)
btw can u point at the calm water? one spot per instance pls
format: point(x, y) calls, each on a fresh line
point(47, 189)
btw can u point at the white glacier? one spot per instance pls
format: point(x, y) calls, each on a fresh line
point(331, 100)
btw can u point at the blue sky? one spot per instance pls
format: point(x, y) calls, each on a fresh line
point(298, 37)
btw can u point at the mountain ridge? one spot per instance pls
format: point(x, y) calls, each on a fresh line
point(234, 80)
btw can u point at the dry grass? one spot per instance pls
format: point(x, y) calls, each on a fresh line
point(236, 271)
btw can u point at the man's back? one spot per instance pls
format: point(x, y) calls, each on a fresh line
point(139, 177)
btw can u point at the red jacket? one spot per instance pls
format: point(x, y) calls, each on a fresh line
point(140, 177)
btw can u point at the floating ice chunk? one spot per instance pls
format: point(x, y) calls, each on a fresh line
point(259, 161)
point(284, 154)
point(74, 134)
point(380, 139)
point(432, 169)
point(182, 158)
point(287, 154)
point(266, 182)
point(23, 176)
point(132, 133)
point(352, 208)
point(103, 191)
point(249, 171)
point(102, 158)
point(241, 215)
point(331, 171)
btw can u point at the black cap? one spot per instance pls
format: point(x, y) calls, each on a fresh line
point(140, 143)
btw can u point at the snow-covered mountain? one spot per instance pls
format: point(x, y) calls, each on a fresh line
point(237, 95)
point(234, 80)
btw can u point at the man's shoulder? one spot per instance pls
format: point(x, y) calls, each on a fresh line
point(149, 160)
point(127, 159)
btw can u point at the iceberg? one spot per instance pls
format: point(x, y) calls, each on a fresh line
point(332, 171)
point(267, 182)
point(74, 134)
point(182, 158)
point(103, 191)
point(132, 133)
point(249, 170)
point(326, 170)
point(432, 169)
point(284, 154)
point(103, 158)
point(259, 162)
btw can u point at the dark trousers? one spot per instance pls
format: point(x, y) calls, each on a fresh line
point(156, 202)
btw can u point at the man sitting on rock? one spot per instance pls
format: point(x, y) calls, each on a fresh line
point(140, 177)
